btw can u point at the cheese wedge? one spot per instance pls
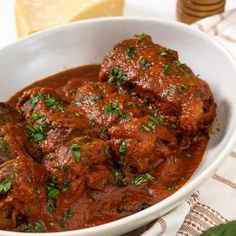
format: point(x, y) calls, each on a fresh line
point(36, 15)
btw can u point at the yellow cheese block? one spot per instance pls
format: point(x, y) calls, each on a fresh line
point(35, 15)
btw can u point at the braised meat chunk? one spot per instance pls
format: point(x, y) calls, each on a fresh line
point(105, 106)
point(155, 72)
point(141, 144)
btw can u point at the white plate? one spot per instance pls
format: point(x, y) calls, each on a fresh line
point(86, 42)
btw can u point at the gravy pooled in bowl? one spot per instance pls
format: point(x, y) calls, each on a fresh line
point(100, 142)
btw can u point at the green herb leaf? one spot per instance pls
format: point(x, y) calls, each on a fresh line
point(116, 75)
point(113, 107)
point(78, 114)
point(145, 63)
point(92, 98)
point(171, 187)
point(66, 185)
point(35, 99)
point(91, 122)
point(166, 69)
point(72, 91)
point(228, 229)
point(130, 51)
point(142, 179)
point(3, 147)
point(145, 127)
point(123, 147)
point(150, 126)
point(117, 173)
point(75, 148)
point(169, 91)
point(37, 133)
point(142, 37)
point(5, 185)
point(182, 88)
point(200, 94)
point(69, 213)
point(156, 120)
point(102, 130)
point(106, 150)
point(65, 168)
point(119, 180)
point(52, 193)
point(51, 102)
point(36, 116)
point(182, 66)
point(165, 53)
point(32, 227)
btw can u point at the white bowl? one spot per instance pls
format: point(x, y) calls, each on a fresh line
point(86, 42)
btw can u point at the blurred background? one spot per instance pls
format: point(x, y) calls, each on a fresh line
point(185, 10)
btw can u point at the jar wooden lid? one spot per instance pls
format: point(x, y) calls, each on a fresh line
point(189, 11)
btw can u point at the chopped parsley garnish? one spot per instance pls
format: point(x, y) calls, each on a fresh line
point(72, 91)
point(106, 150)
point(119, 180)
point(52, 103)
point(5, 185)
point(150, 126)
point(169, 91)
point(142, 37)
point(3, 147)
point(156, 120)
point(69, 213)
point(36, 116)
point(130, 51)
point(116, 75)
point(92, 98)
point(145, 63)
point(113, 107)
point(65, 168)
point(91, 122)
point(37, 133)
point(117, 173)
point(171, 187)
point(32, 227)
point(123, 147)
point(182, 66)
point(200, 94)
point(182, 87)
point(78, 114)
point(75, 149)
point(166, 69)
point(2, 135)
point(52, 193)
point(101, 96)
point(142, 179)
point(164, 53)
point(35, 99)
point(102, 130)
point(66, 185)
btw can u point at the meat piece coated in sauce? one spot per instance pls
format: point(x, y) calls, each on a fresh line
point(155, 72)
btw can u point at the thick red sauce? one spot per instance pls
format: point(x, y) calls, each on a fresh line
point(77, 153)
